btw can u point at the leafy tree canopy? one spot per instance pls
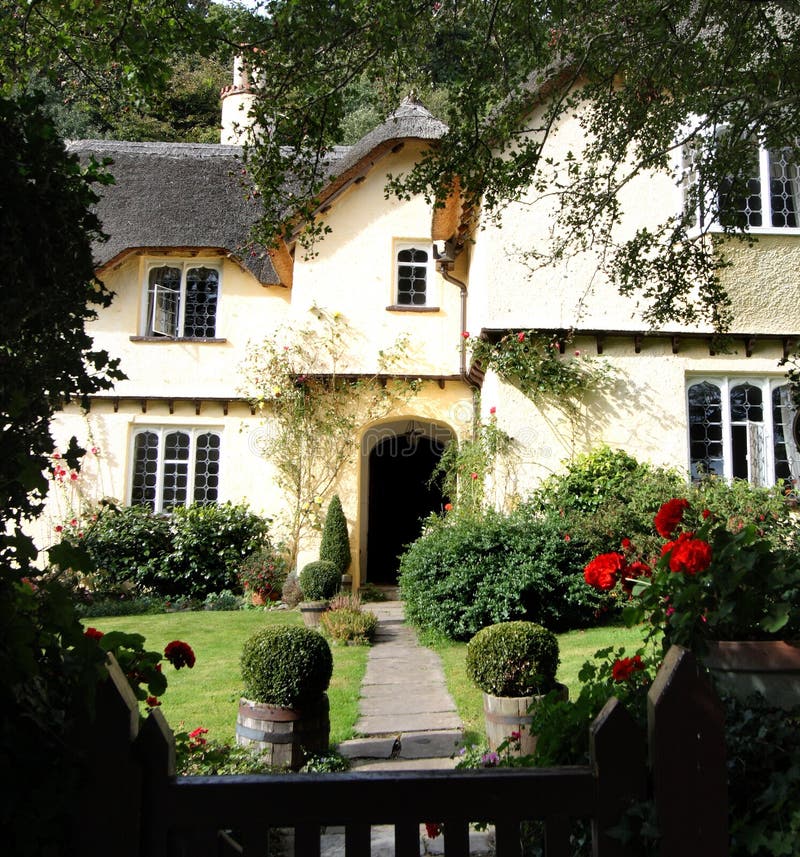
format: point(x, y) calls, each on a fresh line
point(655, 78)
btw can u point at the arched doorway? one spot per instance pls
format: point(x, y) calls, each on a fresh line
point(400, 494)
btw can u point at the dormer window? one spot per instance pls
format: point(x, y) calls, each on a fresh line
point(182, 301)
point(413, 275)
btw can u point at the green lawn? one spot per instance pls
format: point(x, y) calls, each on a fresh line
point(576, 647)
point(208, 694)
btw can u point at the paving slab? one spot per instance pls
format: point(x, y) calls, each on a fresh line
point(391, 724)
point(369, 748)
point(430, 745)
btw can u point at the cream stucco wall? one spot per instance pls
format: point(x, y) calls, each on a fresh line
point(352, 271)
point(246, 311)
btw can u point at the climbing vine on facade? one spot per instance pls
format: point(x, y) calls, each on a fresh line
point(313, 404)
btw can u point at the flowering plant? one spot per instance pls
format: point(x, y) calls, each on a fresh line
point(708, 583)
point(264, 572)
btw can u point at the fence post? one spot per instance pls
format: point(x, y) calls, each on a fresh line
point(617, 753)
point(110, 798)
point(155, 749)
point(686, 726)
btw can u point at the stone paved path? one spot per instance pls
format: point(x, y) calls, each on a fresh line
point(408, 721)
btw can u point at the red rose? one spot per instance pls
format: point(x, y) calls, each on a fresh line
point(93, 634)
point(669, 516)
point(634, 570)
point(624, 668)
point(690, 556)
point(179, 654)
point(520, 337)
point(603, 570)
point(433, 830)
point(152, 702)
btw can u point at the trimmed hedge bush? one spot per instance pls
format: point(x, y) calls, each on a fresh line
point(468, 572)
point(192, 552)
point(286, 666)
point(320, 580)
point(335, 544)
point(513, 659)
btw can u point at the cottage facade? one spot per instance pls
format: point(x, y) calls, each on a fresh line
point(193, 295)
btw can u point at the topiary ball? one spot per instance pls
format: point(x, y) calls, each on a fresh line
point(288, 667)
point(320, 580)
point(513, 659)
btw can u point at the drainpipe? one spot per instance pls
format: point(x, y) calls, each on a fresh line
point(444, 266)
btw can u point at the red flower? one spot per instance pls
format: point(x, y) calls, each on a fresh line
point(493, 410)
point(706, 513)
point(567, 537)
point(603, 570)
point(152, 702)
point(432, 829)
point(448, 507)
point(465, 334)
point(690, 555)
point(626, 543)
point(669, 516)
point(473, 475)
point(196, 738)
point(624, 668)
point(59, 528)
point(179, 654)
point(520, 337)
point(93, 634)
point(634, 570)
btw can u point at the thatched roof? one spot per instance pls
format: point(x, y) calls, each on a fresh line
point(176, 195)
point(194, 195)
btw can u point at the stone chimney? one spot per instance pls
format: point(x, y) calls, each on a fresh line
point(238, 124)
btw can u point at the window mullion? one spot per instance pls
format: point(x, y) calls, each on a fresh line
point(160, 470)
point(765, 177)
point(182, 301)
point(727, 426)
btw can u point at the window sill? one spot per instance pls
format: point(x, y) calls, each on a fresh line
point(403, 308)
point(170, 339)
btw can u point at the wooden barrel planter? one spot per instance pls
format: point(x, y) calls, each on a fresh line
point(506, 714)
point(312, 611)
point(769, 668)
point(287, 736)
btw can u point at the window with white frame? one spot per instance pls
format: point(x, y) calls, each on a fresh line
point(175, 467)
point(182, 301)
point(769, 200)
point(412, 276)
point(743, 428)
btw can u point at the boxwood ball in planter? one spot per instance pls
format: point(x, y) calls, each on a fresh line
point(285, 711)
point(513, 663)
point(320, 580)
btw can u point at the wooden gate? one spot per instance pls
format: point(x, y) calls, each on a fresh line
point(146, 811)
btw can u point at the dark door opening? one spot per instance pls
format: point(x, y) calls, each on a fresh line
point(400, 498)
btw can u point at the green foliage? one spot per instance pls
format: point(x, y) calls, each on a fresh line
point(534, 364)
point(193, 552)
point(264, 571)
point(513, 659)
point(129, 545)
point(346, 622)
point(335, 544)
point(286, 666)
point(466, 572)
point(225, 600)
point(319, 580)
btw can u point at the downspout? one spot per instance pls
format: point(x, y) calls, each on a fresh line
point(444, 266)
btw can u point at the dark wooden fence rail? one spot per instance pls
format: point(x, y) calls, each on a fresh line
point(215, 816)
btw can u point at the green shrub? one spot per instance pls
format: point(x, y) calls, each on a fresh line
point(320, 580)
point(208, 546)
point(347, 622)
point(286, 666)
point(467, 572)
point(128, 544)
point(513, 659)
point(335, 545)
point(225, 600)
point(193, 552)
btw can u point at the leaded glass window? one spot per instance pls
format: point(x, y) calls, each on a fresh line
point(175, 467)
point(412, 276)
point(742, 429)
point(182, 301)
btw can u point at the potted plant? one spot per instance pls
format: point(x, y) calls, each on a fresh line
point(729, 594)
point(319, 581)
point(514, 664)
point(284, 711)
point(262, 575)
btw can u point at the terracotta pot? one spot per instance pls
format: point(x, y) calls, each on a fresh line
point(506, 714)
point(767, 667)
